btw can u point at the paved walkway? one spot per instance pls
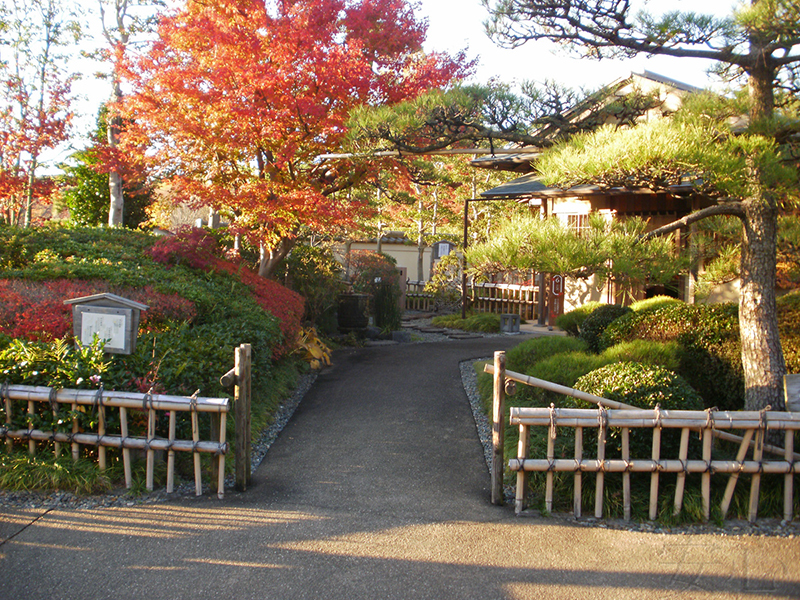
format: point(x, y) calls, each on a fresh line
point(376, 489)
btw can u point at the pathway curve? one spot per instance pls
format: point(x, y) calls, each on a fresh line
point(377, 488)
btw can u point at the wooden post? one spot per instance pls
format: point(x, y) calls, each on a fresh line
point(601, 456)
point(31, 413)
point(755, 482)
point(522, 478)
point(223, 421)
point(171, 454)
point(75, 448)
point(577, 498)
point(126, 452)
point(214, 437)
point(654, 476)
point(548, 501)
point(151, 455)
point(7, 400)
point(498, 426)
point(705, 483)
point(626, 476)
point(198, 476)
point(101, 430)
point(788, 484)
point(681, 480)
point(241, 402)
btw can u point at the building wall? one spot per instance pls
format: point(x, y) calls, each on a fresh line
point(405, 255)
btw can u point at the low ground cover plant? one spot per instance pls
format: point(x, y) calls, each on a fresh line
point(483, 322)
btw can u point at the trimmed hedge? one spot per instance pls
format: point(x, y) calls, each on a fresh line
point(571, 321)
point(596, 323)
point(645, 386)
point(709, 335)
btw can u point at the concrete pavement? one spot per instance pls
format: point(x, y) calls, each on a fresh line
point(377, 488)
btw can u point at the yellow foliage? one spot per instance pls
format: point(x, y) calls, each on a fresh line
point(313, 349)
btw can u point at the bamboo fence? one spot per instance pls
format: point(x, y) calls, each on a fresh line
point(69, 432)
point(609, 414)
point(506, 298)
point(417, 298)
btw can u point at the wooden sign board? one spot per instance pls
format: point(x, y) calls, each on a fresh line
point(791, 388)
point(110, 317)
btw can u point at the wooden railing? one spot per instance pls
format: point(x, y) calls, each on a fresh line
point(615, 415)
point(508, 298)
point(69, 427)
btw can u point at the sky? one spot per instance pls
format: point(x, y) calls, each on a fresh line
point(456, 24)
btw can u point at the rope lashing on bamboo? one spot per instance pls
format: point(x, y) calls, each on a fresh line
point(97, 401)
point(552, 421)
point(657, 411)
point(193, 401)
point(148, 399)
point(709, 422)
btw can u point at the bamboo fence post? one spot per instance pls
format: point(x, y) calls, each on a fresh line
point(7, 403)
point(223, 420)
point(54, 409)
point(75, 448)
point(126, 452)
point(498, 426)
point(740, 456)
point(788, 480)
point(680, 484)
point(577, 478)
point(522, 476)
point(214, 435)
point(171, 454)
point(198, 477)
point(31, 414)
point(601, 455)
point(626, 475)
point(551, 438)
point(755, 482)
point(656, 455)
point(101, 429)
point(151, 434)
point(706, 479)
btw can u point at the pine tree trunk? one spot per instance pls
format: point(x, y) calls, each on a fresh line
point(762, 356)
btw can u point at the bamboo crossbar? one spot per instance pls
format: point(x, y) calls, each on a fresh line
point(112, 441)
point(117, 399)
point(102, 400)
point(635, 418)
point(646, 465)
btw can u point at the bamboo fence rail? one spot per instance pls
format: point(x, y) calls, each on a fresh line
point(101, 400)
point(506, 298)
point(610, 414)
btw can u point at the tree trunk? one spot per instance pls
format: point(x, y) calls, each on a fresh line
point(762, 356)
point(117, 203)
point(271, 258)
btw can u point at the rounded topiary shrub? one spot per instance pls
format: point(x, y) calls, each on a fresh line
point(709, 335)
point(654, 303)
point(644, 386)
point(595, 324)
point(571, 321)
point(523, 356)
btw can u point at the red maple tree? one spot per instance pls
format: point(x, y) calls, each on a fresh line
point(237, 99)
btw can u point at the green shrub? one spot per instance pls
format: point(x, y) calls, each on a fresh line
point(789, 328)
point(482, 322)
point(653, 303)
point(648, 352)
point(644, 386)
point(571, 321)
point(709, 335)
point(523, 356)
point(595, 324)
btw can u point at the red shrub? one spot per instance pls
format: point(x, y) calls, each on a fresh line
point(36, 310)
point(199, 249)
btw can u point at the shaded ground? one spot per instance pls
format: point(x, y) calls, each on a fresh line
point(377, 488)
